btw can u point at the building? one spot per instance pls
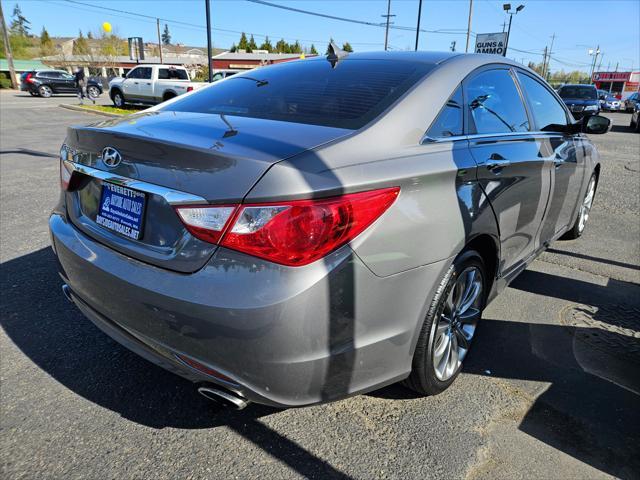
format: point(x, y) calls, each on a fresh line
point(247, 61)
point(621, 84)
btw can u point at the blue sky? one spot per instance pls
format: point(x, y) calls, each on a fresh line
point(578, 25)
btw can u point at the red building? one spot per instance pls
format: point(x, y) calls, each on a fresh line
point(621, 84)
point(247, 61)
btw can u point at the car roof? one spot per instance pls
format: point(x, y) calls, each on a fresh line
point(421, 57)
point(578, 85)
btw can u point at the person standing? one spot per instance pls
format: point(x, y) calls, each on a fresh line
point(81, 85)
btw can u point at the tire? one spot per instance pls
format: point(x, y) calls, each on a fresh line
point(45, 91)
point(583, 214)
point(168, 96)
point(118, 99)
point(93, 91)
point(432, 371)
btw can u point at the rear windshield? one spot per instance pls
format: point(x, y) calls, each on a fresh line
point(172, 73)
point(309, 91)
point(579, 92)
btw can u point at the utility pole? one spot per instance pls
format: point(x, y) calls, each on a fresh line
point(617, 63)
point(595, 54)
point(466, 50)
point(159, 39)
point(7, 51)
point(417, 27)
point(386, 32)
point(208, 11)
point(543, 74)
point(548, 67)
point(452, 47)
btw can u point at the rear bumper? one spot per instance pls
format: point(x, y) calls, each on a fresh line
point(285, 336)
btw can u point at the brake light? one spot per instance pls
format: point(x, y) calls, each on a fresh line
point(29, 78)
point(291, 233)
point(65, 172)
point(189, 89)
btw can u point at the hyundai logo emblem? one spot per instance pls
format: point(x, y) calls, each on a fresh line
point(111, 157)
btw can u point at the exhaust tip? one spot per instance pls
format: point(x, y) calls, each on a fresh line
point(223, 397)
point(66, 291)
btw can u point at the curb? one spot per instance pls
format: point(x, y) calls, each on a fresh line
point(88, 110)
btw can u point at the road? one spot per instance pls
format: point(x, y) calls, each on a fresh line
point(550, 389)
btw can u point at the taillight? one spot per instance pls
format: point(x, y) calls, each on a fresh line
point(189, 89)
point(65, 172)
point(205, 222)
point(29, 78)
point(291, 233)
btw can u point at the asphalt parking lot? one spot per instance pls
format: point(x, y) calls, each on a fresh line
point(551, 388)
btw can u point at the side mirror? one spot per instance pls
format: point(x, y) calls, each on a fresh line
point(596, 124)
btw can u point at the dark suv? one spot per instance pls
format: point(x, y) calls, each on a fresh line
point(582, 100)
point(44, 83)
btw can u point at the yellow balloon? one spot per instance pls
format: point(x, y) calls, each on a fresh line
point(106, 26)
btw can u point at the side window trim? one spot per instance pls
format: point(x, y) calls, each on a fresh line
point(523, 98)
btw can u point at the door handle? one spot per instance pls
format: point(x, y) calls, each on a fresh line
point(496, 166)
point(135, 83)
point(149, 83)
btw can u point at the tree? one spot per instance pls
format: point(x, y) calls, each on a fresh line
point(233, 48)
point(90, 35)
point(166, 36)
point(329, 46)
point(282, 46)
point(266, 45)
point(243, 44)
point(347, 47)
point(80, 45)
point(252, 45)
point(296, 47)
point(313, 50)
point(19, 25)
point(46, 44)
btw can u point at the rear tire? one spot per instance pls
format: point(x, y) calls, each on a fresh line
point(449, 326)
point(118, 99)
point(93, 91)
point(45, 91)
point(583, 214)
point(168, 96)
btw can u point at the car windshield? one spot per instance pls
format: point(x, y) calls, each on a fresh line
point(309, 91)
point(579, 92)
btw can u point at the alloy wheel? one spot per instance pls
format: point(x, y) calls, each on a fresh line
point(585, 208)
point(457, 323)
point(93, 92)
point(45, 91)
point(118, 101)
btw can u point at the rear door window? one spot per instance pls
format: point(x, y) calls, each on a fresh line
point(548, 114)
point(448, 123)
point(494, 103)
point(172, 73)
point(310, 91)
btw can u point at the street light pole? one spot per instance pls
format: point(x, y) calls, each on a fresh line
point(209, 40)
point(418, 26)
point(595, 54)
point(507, 8)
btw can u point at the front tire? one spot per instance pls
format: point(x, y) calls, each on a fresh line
point(93, 91)
point(118, 99)
point(449, 326)
point(585, 209)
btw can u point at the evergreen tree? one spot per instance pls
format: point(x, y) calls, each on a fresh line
point(347, 47)
point(80, 46)
point(90, 35)
point(266, 45)
point(46, 44)
point(328, 46)
point(19, 25)
point(243, 44)
point(252, 45)
point(313, 50)
point(296, 47)
point(233, 48)
point(166, 36)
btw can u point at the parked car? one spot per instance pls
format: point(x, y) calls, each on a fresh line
point(151, 84)
point(631, 101)
point(582, 100)
point(612, 104)
point(635, 118)
point(223, 73)
point(45, 83)
point(306, 233)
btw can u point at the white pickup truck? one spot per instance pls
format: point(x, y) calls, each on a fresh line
point(151, 84)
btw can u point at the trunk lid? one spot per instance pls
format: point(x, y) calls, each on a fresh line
point(209, 156)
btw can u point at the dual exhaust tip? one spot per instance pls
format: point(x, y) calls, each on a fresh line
point(221, 396)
